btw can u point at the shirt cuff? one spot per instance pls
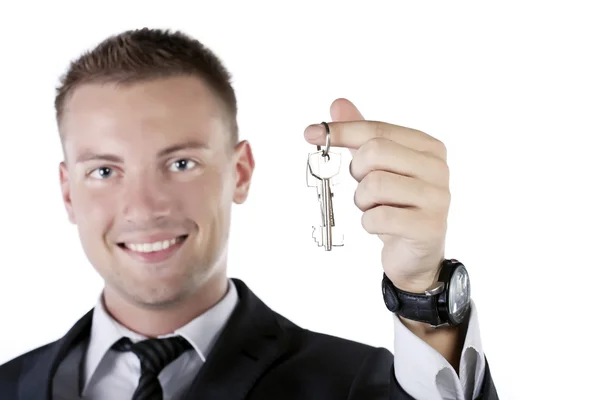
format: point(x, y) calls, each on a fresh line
point(425, 374)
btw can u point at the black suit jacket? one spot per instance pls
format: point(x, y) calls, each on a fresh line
point(259, 355)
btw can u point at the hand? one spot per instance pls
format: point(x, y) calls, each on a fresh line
point(403, 191)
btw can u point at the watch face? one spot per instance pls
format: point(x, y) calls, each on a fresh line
point(459, 294)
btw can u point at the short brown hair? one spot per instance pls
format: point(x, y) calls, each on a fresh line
point(143, 54)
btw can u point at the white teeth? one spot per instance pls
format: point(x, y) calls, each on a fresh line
point(149, 247)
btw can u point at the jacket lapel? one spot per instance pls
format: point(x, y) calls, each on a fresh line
point(36, 384)
point(250, 342)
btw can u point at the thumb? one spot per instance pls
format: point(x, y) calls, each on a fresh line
point(343, 110)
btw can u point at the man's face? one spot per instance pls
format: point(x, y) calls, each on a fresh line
point(149, 178)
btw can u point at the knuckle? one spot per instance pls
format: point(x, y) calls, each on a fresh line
point(366, 222)
point(359, 198)
point(381, 130)
point(367, 192)
point(354, 168)
point(373, 182)
point(446, 198)
point(371, 219)
point(358, 169)
point(444, 169)
point(423, 192)
point(439, 199)
point(366, 157)
point(375, 146)
point(440, 149)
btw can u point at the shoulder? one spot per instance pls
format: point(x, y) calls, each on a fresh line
point(12, 370)
point(322, 363)
point(335, 352)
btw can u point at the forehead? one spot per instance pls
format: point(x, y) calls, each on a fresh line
point(142, 115)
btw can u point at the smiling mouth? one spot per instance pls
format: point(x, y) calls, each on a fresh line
point(153, 247)
point(153, 253)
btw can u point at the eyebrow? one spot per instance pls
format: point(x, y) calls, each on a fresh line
point(89, 155)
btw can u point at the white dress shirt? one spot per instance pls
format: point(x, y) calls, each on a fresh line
point(421, 370)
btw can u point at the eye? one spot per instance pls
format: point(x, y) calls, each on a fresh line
point(182, 164)
point(102, 172)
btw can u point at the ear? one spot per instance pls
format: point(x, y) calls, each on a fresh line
point(244, 166)
point(66, 191)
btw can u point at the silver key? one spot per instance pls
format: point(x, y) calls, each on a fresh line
point(321, 170)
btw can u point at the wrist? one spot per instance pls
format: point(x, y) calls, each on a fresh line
point(420, 284)
point(415, 286)
point(446, 340)
point(425, 331)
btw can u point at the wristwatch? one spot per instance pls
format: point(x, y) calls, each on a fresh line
point(447, 303)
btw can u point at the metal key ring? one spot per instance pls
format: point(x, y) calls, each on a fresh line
point(327, 141)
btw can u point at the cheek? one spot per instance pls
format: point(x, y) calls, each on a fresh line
point(208, 204)
point(94, 210)
point(206, 197)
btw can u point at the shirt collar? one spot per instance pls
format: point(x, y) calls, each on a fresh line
point(201, 332)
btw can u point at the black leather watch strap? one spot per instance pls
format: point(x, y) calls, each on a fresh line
point(413, 306)
point(431, 306)
point(420, 307)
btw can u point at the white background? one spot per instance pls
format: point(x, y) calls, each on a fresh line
point(512, 89)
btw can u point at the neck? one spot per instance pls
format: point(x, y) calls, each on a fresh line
point(153, 322)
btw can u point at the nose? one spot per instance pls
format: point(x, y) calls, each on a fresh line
point(145, 199)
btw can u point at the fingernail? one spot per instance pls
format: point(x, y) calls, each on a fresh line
point(314, 132)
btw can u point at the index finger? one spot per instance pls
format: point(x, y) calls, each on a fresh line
point(353, 134)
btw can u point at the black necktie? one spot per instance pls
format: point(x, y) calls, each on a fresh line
point(154, 355)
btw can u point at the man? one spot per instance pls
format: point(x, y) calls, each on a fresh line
point(152, 165)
